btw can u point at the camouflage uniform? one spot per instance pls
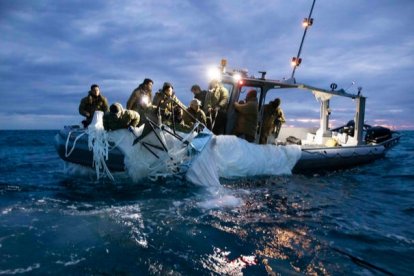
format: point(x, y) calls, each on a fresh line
point(134, 101)
point(217, 98)
point(279, 120)
point(246, 123)
point(90, 104)
point(123, 119)
point(165, 105)
point(191, 116)
point(147, 113)
point(201, 96)
point(273, 117)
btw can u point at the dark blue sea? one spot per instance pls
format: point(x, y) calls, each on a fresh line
point(352, 222)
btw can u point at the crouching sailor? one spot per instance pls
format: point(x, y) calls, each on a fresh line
point(118, 118)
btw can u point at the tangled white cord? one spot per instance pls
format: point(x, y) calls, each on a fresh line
point(98, 143)
point(170, 161)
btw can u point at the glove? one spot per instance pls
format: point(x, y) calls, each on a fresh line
point(167, 114)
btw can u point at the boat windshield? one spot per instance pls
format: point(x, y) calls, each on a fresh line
point(245, 89)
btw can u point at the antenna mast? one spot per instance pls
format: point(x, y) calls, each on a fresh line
point(307, 22)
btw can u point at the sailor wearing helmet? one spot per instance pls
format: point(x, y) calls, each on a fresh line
point(194, 113)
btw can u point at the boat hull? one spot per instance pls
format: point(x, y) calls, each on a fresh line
point(334, 158)
point(76, 149)
point(313, 160)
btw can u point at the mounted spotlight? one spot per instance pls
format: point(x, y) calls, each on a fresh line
point(296, 61)
point(237, 77)
point(307, 22)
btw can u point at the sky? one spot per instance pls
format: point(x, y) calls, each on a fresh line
point(51, 51)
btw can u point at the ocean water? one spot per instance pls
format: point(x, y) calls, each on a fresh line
point(56, 220)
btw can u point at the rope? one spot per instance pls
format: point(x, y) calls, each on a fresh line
point(116, 143)
point(67, 154)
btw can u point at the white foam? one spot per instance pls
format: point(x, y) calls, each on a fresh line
point(6, 211)
point(221, 201)
point(77, 170)
point(20, 270)
point(73, 261)
point(131, 217)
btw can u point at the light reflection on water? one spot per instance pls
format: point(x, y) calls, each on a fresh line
point(277, 244)
point(220, 263)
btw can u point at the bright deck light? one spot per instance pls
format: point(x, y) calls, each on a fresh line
point(296, 61)
point(237, 77)
point(307, 22)
point(214, 73)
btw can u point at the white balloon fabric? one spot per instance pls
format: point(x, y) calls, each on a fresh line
point(231, 157)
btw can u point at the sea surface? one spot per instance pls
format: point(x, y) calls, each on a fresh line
point(57, 221)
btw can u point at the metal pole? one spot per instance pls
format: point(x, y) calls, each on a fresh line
point(303, 39)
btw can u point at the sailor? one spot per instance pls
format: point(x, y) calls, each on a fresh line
point(215, 106)
point(280, 118)
point(194, 113)
point(273, 118)
point(179, 123)
point(91, 103)
point(246, 124)
point(118, 118)
point(147, 112)
point(199, 94)
point(141, 96)
point(165, 101)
